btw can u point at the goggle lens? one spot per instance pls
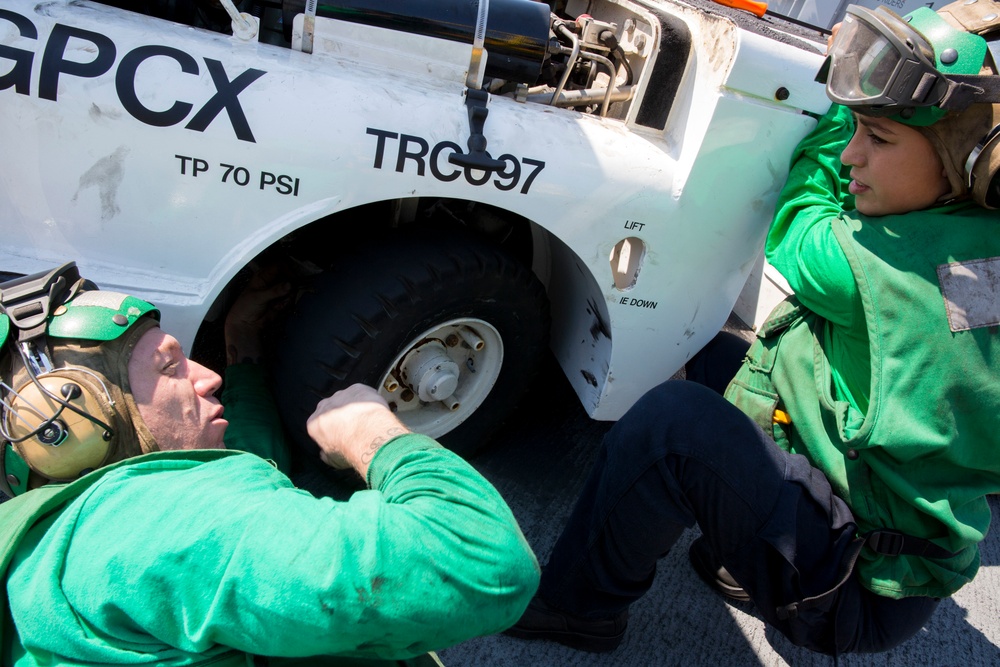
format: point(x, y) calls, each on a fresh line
point(863, 64)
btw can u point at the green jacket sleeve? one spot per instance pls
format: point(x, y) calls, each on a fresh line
point(254, 424)
point(180, 562)
point(801, 244)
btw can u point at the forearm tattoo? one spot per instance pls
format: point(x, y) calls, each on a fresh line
point(378, 441)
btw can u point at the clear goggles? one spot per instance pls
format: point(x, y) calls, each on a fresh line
point(879, 62)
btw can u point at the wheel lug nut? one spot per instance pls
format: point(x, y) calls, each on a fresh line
point(472, 338)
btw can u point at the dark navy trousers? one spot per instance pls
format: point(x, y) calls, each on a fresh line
point(684, 456)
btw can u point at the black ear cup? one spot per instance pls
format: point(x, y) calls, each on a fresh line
point(66, 443)
point(982, 168)
point(992, 196)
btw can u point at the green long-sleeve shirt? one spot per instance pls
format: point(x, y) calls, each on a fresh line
point(171, 562)
point(801, 245)
point(254, 424)
point(898, 408)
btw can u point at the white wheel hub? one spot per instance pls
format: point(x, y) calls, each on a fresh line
point(430, 372)
point(443, 375)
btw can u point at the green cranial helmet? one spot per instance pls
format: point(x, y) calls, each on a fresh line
point(912, 70)
point(67, 405)
point(935, 71)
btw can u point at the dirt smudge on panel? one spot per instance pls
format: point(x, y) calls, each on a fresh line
point(106, 176)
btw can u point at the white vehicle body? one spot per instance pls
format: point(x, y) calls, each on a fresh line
point(165, 158)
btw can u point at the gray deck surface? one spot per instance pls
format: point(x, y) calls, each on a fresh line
point(539, 463)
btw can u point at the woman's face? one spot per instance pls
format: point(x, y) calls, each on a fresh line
point(894, 168)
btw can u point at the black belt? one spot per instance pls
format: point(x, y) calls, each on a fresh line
point(894, 543)
point(886, 542)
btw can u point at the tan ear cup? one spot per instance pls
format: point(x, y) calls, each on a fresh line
point(72, 445)
point(984, 168)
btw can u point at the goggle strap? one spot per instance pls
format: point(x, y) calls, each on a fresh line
point(968, 89)
point(924, 87)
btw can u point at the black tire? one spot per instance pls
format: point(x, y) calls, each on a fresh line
point(358, 318)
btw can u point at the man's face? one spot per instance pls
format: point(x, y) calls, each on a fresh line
point(175, 396)
point(894, 168)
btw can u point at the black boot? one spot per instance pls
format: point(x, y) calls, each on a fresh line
point(712, 573)
point(541, 621)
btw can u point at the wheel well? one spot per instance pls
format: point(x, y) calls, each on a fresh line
point(502, 228)
point(306, 251)
point(580, 321)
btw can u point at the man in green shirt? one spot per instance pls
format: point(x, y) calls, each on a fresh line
point(840, 484)
point(144, 541)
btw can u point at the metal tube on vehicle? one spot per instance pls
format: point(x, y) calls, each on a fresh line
point(570, 64)
point(576, 98)
point(517, 31)
point(612, 75)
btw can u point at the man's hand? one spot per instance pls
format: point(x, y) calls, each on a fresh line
point(351, 426)
point(266, 295)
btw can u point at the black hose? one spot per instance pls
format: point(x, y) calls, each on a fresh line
point(624, 62)
point(609, 40)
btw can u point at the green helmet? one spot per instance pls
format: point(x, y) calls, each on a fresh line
point(913, 70)
point(933, 71)
point(64, 348)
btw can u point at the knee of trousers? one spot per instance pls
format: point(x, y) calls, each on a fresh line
point(678, 417)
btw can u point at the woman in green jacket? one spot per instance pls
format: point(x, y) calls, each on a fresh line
point(842, 486)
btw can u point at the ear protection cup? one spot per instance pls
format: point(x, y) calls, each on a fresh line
point(71, 444)
point(983, 169)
